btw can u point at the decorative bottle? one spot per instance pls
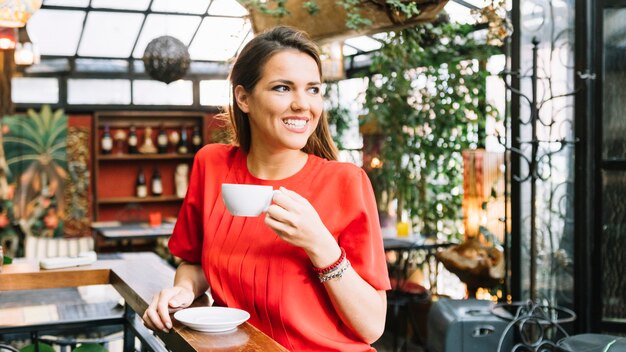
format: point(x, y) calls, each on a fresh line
point(196, 139)
point(157, 184)
point(141, 188)
point(106, 142)
point(132, 140)
point(182, 147)
point(162, 141)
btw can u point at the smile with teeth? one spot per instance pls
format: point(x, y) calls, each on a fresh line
point(296, 123)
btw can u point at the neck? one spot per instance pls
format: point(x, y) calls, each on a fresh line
point(275, 166)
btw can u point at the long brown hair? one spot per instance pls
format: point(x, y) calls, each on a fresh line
point(246, 72)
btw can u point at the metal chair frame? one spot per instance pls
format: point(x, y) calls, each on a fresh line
point(534, 324)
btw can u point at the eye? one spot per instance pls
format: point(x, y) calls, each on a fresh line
point(314, 90)
point(281, 88)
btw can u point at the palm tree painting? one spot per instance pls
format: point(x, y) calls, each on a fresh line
point(35, 151)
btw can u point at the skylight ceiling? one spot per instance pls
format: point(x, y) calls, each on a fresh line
point(214, 30)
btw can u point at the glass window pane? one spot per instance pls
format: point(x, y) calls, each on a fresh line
point(139, 5)
point(68, 3)
point(158, 93)
point(138, 66)
point(459, 13)
point(478, 3)
point(54, 39)
point(49, 66)
point(181, 6)
point(98, 91)
point(248, 38)
point(35, 90)
point(218, 69)
point(612, 247)
point(614, 79)
point(218, 38)
point(214, 92)
point(348, 50)
point(110, 34)
point(101, 65)
point(364, 43)
point(177, 26)
point(227, 8)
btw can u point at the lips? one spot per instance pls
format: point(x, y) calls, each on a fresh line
point(296, 124)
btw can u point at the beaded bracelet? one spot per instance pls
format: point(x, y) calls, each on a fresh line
point(320, 271)
point(335, 274)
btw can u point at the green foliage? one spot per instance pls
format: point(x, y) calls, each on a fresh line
point(36, 139)
point(311, 7)
point(35, 150)
point(90, 347)
point(43, 347)
point(427, 96)
point(339, 116)
point(354, 20)
point(400, 10)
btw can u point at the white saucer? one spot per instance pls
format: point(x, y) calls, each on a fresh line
point(212, 319)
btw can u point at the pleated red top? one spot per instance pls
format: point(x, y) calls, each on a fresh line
point(249, 267)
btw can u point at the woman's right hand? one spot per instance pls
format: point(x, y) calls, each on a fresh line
point(170, 300)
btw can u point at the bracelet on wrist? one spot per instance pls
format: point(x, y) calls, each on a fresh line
point(342, 257)
point(337, 273)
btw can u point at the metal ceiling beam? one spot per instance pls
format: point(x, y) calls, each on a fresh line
point(466, 4)
point(145, 12)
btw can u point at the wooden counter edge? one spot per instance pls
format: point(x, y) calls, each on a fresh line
point(136, 283)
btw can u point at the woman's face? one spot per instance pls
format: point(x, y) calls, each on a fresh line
point(285, 106)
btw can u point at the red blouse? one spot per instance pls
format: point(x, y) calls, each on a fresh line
point(249, 267)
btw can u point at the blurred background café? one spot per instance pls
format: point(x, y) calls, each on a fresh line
point(492, 132)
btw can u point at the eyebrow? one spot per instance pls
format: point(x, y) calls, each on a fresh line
point(291, 83)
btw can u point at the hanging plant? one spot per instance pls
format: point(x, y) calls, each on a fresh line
point(427, 97)
point(327, 19)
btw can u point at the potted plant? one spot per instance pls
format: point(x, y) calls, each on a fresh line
point(326, 20)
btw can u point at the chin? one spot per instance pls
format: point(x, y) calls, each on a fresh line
point(295, 145)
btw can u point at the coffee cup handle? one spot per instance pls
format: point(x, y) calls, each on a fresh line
point(271, 199)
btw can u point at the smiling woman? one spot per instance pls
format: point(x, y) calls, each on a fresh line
point(287, 97)
point(317, 250)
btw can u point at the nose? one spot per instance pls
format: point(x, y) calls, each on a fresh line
point(299, 102)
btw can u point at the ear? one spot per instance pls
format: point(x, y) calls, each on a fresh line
point(241, 96)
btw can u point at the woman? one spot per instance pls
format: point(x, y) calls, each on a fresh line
point(311, 271)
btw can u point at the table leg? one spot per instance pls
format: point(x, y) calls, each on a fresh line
point(129, 336)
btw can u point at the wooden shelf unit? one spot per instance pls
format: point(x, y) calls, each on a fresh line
point(115, 174)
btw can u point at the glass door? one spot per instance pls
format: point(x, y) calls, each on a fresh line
point(612, 168)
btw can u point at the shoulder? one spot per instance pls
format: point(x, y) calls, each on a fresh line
point(341, 172)
point(216, 153)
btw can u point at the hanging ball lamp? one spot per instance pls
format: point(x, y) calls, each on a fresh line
point(166, 59)
point(15, 13)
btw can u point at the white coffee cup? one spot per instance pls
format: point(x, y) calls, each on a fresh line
point(247, 200)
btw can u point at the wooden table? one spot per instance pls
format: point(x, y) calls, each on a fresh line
point(115, 231)
point(137, 277)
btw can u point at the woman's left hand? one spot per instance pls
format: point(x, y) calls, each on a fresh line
point(295, 220)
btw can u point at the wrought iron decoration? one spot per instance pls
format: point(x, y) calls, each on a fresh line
point(541, 149)
point(166, 59)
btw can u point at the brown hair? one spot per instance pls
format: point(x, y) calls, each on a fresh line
point(246, 72)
